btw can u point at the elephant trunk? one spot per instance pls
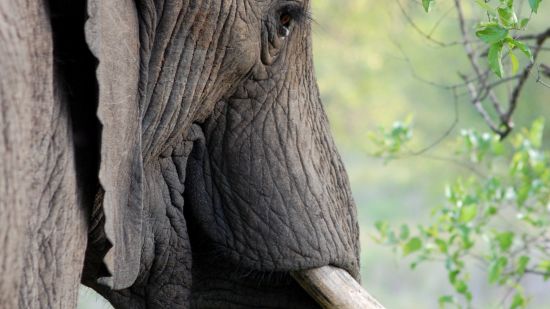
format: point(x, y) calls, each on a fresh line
point(334, 287)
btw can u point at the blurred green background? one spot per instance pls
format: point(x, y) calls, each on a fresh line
point(369, 63)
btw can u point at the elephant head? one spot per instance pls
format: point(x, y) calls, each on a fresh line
point(219, 174)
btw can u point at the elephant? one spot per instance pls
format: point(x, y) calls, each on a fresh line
point(166, 153)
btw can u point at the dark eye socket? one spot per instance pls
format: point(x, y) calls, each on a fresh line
point(285, 19)
point(292, 13)
point(288, 15)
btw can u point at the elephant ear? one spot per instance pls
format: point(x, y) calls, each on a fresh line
point(112, 33)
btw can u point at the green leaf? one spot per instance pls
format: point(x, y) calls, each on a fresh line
point(522, 264)
point(414, 244)
point(495, 58)
point(523, 193)
point(442, 245)
point(492, 33)
point(505, 240)
point(545, 267)
point(524, 48)
point(507, 16)
point(534, 5)
point(508, 3)
point(536, 132)
point(495, 269)
point(461, 286)
point(453, 276)
point(445, 299)
point(467, 213)
point(523, 22)
point(515, 63)
point(518, 301)
point(491, 211)
point(382, 227)
point(427, 4)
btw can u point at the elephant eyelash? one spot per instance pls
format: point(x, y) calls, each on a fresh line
point(297, 13)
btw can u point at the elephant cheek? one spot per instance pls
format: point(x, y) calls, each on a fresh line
point(261, 202)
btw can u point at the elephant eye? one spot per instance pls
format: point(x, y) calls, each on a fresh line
point(285, 21)
point(289, 15)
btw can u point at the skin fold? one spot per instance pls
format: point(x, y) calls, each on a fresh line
point(209, 172)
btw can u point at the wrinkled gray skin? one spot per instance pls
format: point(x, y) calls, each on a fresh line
point(215, 171)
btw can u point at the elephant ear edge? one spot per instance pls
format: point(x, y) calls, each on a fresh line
point(112, 34)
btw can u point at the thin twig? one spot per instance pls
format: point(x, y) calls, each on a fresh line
point(428, 36)
point(446, 133)
point(543, 70)
point(473, 59)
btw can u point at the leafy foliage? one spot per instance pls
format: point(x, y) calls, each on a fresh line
point(388, 143)
point(427, 4)
point(502, 20)
point(497, 218)
point(498, 31)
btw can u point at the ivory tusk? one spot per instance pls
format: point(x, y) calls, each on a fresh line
point(335, 288)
